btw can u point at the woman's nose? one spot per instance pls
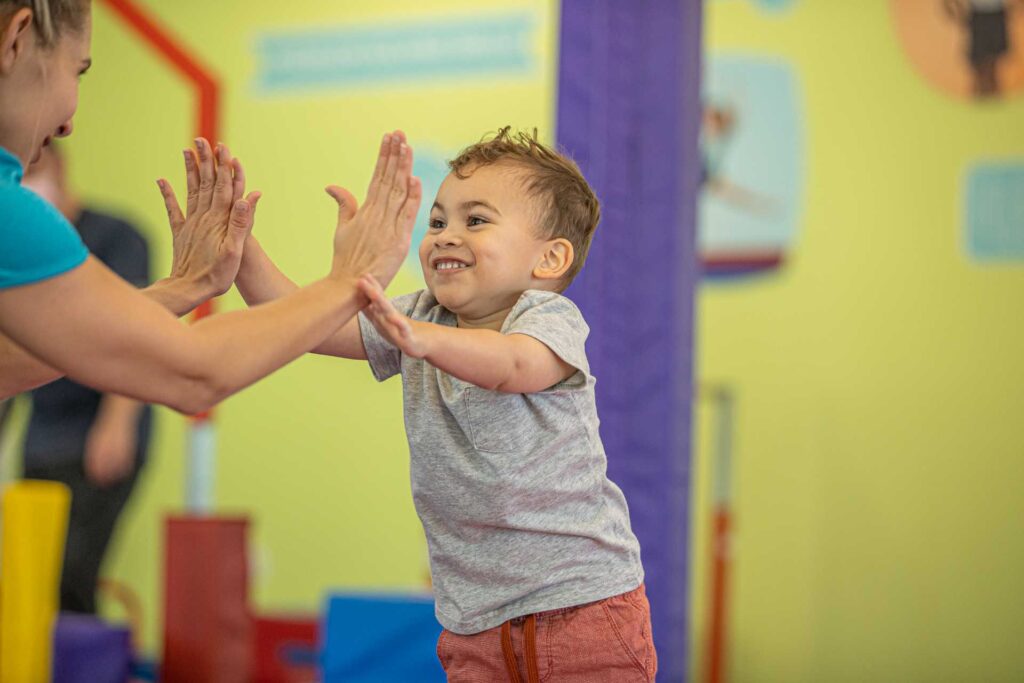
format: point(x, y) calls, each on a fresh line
point(65, 129)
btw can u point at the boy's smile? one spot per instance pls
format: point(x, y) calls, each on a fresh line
point(482, 247)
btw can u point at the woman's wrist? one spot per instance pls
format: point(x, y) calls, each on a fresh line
point(178, 294)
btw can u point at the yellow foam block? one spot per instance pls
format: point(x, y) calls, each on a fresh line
point(35, 520)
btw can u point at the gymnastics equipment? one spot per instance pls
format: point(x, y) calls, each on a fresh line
point(88, 650)
point(287, 647)
point(208, 636)
point(381, 639)
point(35, 522)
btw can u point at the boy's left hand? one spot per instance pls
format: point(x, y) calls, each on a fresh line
point(400, 330)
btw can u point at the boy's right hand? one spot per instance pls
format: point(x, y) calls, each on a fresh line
point(375, 239)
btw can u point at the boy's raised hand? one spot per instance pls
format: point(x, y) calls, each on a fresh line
point(400, 330)
point(375, 237)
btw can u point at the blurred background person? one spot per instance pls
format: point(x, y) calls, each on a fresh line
point(94, 443)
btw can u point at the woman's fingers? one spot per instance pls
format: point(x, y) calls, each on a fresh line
point(240, 222)
point(174, 216)
point(223, 187)
point(207, 175)
point(191, 182)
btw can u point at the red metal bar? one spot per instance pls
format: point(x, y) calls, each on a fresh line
point(206, 85)
point(719, 579)
point(161, 40)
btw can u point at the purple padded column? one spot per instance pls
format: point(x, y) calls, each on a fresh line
point(628, 112)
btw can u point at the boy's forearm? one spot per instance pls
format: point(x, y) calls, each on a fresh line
point(259, 280)
point(510, 363)
point(482, 357)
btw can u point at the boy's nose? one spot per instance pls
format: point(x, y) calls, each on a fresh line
point(448, 239)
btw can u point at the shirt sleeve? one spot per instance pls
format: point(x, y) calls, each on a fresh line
point(556, 322)
point(36, 241)
point(385, 359)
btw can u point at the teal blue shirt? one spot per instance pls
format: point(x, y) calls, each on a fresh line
point(36, 241)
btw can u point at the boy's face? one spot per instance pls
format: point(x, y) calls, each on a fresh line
point(481, 249)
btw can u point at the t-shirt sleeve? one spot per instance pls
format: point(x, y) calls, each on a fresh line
point(127, 254)
point(36, 241)
point(556, 322)
point(385, 359)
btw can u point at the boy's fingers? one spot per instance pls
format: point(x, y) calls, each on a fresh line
point(174, 216)
point(207, 174)
point(238, 183)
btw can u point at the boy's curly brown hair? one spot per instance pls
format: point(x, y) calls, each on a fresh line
point(568, 208)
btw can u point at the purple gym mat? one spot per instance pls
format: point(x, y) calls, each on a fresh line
point(629, 113)
point(88, 650)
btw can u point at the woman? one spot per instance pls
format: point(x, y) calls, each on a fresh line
point(63, 312)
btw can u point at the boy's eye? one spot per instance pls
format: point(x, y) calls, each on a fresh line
point(476, 220)
point(436, 224)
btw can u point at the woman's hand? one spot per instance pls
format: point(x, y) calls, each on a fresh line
point(375, 237)
point(209, 238)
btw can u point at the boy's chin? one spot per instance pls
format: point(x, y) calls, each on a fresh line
point(450, 300)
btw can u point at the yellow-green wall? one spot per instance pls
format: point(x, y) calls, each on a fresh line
point(315, 454)
point(879, 378)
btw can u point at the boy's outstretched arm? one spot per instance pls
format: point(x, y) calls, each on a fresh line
point(259, 280)
point(511, 363)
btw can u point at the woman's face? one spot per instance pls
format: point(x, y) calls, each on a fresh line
point(40, 92)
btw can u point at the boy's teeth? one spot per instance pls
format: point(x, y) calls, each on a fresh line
point(449, 265)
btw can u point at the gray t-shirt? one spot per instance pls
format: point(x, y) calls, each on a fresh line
point(512, 489)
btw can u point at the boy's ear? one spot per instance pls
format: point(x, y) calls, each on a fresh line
point(556, 260)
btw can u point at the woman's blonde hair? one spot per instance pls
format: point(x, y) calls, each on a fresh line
point(50, 17)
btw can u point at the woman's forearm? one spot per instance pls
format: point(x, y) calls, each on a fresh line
point(92, 325)
point(237, 348)
point(21, 371)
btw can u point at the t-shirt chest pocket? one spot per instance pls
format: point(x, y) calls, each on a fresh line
point(498, 422)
